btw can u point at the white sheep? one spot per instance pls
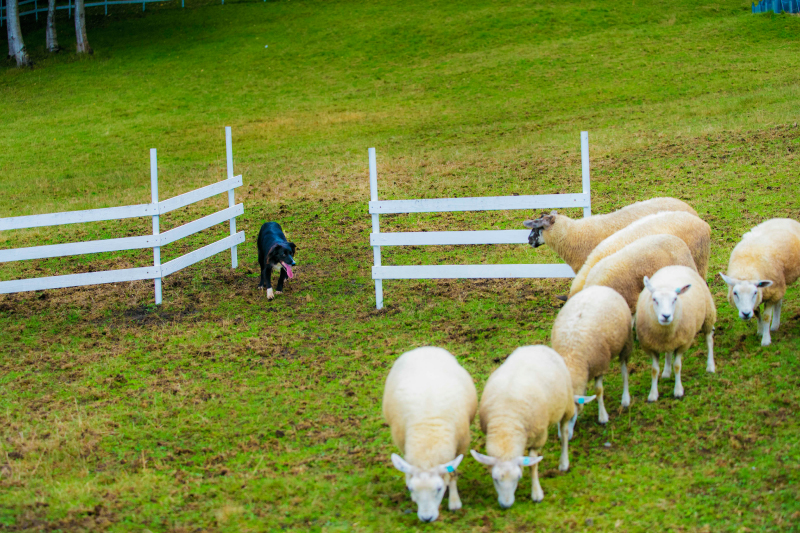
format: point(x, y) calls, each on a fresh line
point(673, 307)
point(689, 228)
point(530, 391)
point(429, 401)
point(574, 239)
point(624, 270)
point(589, 330)
point(762, 265)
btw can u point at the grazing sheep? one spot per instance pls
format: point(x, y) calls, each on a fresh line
point(429, 402)
point(674, 305)
point(589, 330)
point(574, 240)
point(623, 270)
point(530, 391)
point(762, 265)
point(692, 230)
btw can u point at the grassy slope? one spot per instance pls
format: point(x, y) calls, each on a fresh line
point(221, 411)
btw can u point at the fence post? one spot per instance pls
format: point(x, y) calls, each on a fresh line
point(587, 188)
point(154, 198)
point(231, 202)
point(376, 227)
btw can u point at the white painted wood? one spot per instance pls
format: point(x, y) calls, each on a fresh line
point(77, 248)
point(472, 271)
point(587, 186)
point(376, 226)
point(231, 200)
point(427, 238)
point(488, 203)
point(154, 199)
point(191, 258)
point(200, 224)
point(188, 198)
point(77, 217)
point(76, 280)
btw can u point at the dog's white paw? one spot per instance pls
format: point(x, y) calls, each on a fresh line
point(278, 292)
point(270, 294)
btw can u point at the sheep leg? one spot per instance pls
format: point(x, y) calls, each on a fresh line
point(563, 464)
point(776, 317)
point(654, 384)
point(760, 324)
point(667, 365)
point(766, 340)
point(602, 414)
point(710, 344)
point(537, 494)
point(677, 366)
point(626, 396)
point(454, 502)
point(572, 422)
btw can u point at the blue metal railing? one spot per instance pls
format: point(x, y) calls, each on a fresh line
point(776, 6)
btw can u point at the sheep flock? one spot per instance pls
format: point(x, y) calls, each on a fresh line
point(640, 275)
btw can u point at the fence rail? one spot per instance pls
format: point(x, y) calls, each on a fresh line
point(154, 241)
point(71, 6)
point(491, 203)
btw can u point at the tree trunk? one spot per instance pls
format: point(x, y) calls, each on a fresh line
point(51, 37)
point(80, 29)
point(16, 46)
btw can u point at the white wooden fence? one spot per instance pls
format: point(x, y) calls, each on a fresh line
point(155, 241)
point(492, 203)
point(69, 6)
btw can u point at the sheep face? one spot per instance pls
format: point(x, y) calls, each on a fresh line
point(537, 227)
point(745, 295)
point(505, 474)
point(426, 487)
point(664, 301)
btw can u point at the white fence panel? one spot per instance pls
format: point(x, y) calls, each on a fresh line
point(76, 280)
point(491, 203)
point(472, 271)
point(156, 240)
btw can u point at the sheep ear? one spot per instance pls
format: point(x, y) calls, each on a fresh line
point(483, 459)
point(400, 464)
point(727, 279)
point(580, 400)
point(524, 460)
point(529, 224)
point(681, 290)
point(648, 285)
point(763, 283)
point(451, 466)
point(549, 220)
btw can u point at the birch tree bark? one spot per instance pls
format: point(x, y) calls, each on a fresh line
point(16, 46)
point(51, 37)
point(80, 28)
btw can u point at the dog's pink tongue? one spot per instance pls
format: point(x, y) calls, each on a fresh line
point(288, 269)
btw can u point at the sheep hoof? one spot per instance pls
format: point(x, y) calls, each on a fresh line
point(454, 506)
point(602, 422)
point(652, 399)
point(710, 369)
point(538, 498)
point(766, 342)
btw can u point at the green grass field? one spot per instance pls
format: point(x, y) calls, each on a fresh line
point(221, 411)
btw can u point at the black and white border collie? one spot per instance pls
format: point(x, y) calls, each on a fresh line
point(274, 253)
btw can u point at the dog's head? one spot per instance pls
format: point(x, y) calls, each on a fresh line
point(283, 253)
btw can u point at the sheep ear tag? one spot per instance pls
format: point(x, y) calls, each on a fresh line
point(450, 468)
point(581, 400)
